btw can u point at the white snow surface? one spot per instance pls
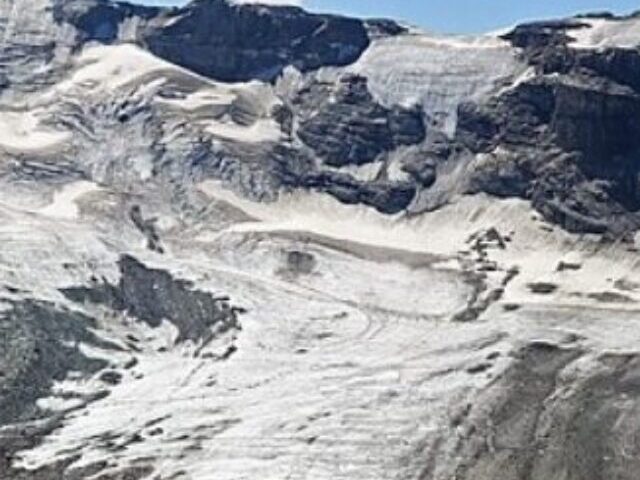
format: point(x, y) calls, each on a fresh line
point(264, 130)
point(23, 131)
point(112, 66)
point(64, 203)
point(602, 33)
point(347, 371)
point(437, 72)
point(29, 123)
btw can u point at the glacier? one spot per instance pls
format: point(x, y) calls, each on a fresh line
point(365, 252)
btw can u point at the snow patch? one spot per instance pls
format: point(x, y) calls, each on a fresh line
point(323, 215)
point(606, 33)
point(109, 67)
point(23, 131)
point(64, 203)
point(211, 97)
point(263, 130)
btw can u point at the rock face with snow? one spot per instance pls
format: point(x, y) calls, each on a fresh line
point(348, 127)
point(224, 41)
point(577, 118)
point(243, 241)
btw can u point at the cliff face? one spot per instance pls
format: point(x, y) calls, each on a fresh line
point(578, 112)
point(224, 41)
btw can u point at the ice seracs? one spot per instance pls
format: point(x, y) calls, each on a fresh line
point(437, 72)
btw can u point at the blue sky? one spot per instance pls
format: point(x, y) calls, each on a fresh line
point(456, 16)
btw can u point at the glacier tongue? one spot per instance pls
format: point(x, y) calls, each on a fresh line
point(331, 375)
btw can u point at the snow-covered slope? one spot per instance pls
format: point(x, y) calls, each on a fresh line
point(388, 255)
point(602, 33)
point(438, 73)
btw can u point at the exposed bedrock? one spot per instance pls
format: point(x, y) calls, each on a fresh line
point(538, 35)
point(337, 126)
point(350, 128)
point(554, 413)
point(570, 143)
point(153, 295)
point(202, 38)
point(225, 41)
point(100, 20)
point(40, 345)
point(385, 196)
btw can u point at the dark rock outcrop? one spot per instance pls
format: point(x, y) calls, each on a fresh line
point(152, 296)
point(350, 128)
point(226, 41)
point(536, 35)
point(240, 42)
point(571, 132)
point(522, 427)
point(100, 20)
point(39, 344)
point(385, 196)
point(147, 227)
